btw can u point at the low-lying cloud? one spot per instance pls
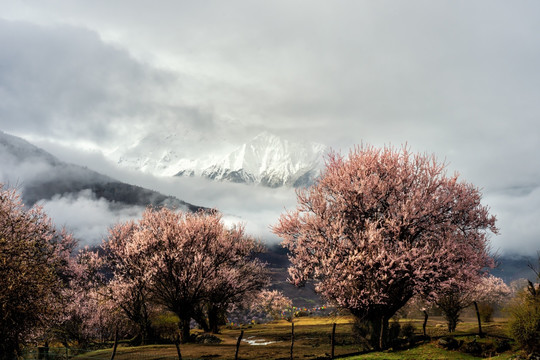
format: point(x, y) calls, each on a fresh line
point(87, 217)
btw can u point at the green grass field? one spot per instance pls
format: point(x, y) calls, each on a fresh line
point(312, 341)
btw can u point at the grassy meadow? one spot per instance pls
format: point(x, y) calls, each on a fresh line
point(312, 341)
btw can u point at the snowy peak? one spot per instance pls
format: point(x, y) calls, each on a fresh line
point(267, 160)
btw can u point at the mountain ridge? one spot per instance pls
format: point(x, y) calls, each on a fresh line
point(44, 176)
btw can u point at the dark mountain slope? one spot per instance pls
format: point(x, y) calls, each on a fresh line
point(41, 176)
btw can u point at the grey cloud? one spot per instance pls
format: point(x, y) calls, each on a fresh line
point(64, 81)
point(517, 216)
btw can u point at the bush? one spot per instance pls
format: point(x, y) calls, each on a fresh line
point(486, 311)
point(472, 348)
point(524, 324)
point(301, 313)
point(394, 330)
point(502, 345)
point(407, 331)
point(448, 343)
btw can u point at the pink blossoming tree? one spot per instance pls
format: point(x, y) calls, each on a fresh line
point(381, 226)
point(34, 271)
point(89, 313)
point(455, 296)
point(273, 303)
point(189, 264)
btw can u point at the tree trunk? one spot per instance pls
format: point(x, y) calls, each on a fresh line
point(451, 314)
point(479, 322)
point(238, 344)
point(452, 324)
point(183, 325)
point(333, 340)
point(383, 337)
point(425, 322)
point(374, 329)
point(292, 338)
point(377, 329)
point(145, 333)
point(200, 318)
point(213, 319)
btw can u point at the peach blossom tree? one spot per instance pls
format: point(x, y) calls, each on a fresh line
point(193, 256)
point(455, 296)
point(190, 264)
point(34, 272)
point(382, 225)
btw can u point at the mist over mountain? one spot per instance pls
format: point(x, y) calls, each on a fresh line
point(266, 160)
point(72, 195)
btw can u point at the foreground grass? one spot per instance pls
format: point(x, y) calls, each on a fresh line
point(424, 352)
point(312, 341)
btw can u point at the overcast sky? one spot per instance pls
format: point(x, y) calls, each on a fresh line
point(459, 79)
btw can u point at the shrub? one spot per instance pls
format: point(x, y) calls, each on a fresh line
point(524, 324)
point(407, 330)
point(502, 345)
point(472, 347)
point(448, 343)
point(486, 311)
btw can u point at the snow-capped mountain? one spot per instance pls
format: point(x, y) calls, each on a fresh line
point(161, 152)
point(267, 160)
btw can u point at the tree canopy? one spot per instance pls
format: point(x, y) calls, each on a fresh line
point(382, 225)
point(34, 271)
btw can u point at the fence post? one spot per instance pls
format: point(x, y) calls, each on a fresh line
point(425, 322)
point(479, 321)
point(292, 338)
point(177, 344)
point(333, 340)
point(115, 343)
point(238, 344)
